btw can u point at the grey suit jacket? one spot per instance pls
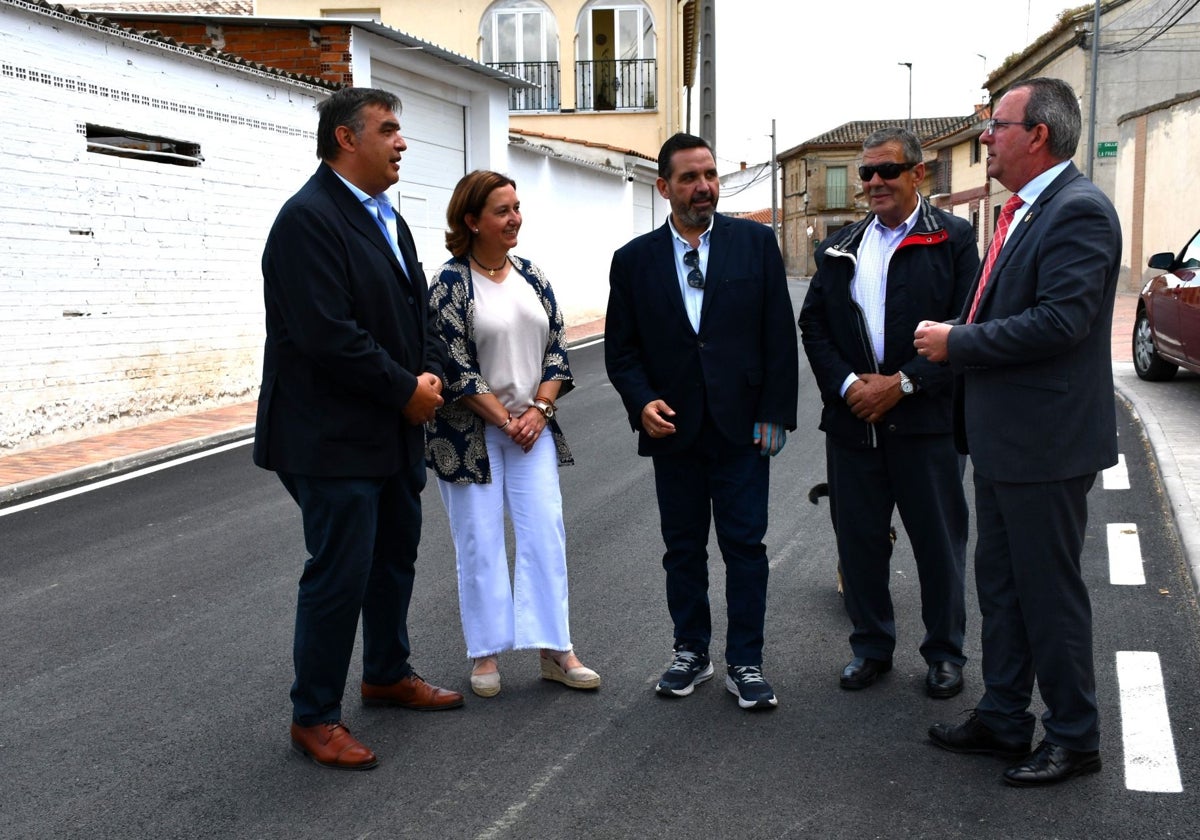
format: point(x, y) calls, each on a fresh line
point(1034, 391)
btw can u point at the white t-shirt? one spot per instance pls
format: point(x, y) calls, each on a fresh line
point(511, 330)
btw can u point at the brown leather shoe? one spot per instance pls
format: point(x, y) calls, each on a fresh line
point(330, 744)
point(412, 692)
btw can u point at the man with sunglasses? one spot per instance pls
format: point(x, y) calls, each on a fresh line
point(887, 411)
point(1034, 407)
point(700, 345)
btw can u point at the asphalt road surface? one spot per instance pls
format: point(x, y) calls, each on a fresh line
point(146, 660)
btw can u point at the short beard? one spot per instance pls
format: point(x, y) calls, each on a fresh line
point(697, 218)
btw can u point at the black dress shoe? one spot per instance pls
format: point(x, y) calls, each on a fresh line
point(945, 679)
point(1051, 764)
point(974, 737)
point(861, 672)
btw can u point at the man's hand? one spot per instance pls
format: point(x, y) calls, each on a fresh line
point(654, 419)
point(770, 438)
point(932, 340)
point(873, 396)
point(425, 401)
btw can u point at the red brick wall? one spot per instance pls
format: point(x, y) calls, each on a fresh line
point(321, 51)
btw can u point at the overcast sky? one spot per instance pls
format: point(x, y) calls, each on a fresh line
point(812, 66)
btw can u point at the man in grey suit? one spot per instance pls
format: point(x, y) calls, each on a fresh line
point(1034, 406)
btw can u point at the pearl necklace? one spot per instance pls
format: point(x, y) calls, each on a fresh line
point(491, 271)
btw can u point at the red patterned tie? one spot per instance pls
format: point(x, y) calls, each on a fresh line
point(1006, 216)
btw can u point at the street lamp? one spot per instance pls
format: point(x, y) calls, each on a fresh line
point(908, 64)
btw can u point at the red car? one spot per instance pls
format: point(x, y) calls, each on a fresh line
point(1166, 332)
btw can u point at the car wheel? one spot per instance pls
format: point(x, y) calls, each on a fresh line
point(1148, 364)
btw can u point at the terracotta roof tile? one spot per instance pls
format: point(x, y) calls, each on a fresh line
point(853, 133)
point(524, 132)
point(761, 216)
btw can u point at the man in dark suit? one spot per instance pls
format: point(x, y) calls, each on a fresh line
point(889, 439)
point(700, 345)
point(1034, 406)
point(350, 374)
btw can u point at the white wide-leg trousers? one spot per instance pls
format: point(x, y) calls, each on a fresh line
point(531, 612)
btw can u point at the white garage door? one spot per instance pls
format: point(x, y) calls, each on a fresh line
point(435, 131)
point(643, 208)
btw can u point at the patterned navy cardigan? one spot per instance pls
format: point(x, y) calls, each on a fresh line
point(454, 443)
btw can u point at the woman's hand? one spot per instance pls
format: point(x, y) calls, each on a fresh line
point(526, 429)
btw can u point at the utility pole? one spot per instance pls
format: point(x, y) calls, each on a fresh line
point(774, 186)
point(1091, 146)
point(708, 72)
point(908, 64)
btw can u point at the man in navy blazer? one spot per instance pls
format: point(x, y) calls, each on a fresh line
point(350, 374)
point(700, 345)
point(1034, 407)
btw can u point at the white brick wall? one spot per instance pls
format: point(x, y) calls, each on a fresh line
point(574, 217)
point(127, 287)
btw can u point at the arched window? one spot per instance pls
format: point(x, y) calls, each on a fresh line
point(520, 37)
point(617, 51)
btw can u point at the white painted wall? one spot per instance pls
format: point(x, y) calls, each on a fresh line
point(747, 190)
point(575, 216)
point(1166, 217)
point(130, 287)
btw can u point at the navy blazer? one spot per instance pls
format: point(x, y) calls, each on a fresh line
point(346, 339)
point(742, 366)
point(1034, 396)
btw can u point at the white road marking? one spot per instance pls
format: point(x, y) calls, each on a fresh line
point(108, 482)
point(1150, 763)
point(1116, 477)
point(1125, 555)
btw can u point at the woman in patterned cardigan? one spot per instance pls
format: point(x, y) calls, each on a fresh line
point(489, 445)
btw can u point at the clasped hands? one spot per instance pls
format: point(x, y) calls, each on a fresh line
point(873, 395)
point(425, 400)
point(525, 429)
point(769, 437)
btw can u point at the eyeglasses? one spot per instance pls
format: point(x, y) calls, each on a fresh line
point(887, 171)
point(990, 126)
point(695, 278)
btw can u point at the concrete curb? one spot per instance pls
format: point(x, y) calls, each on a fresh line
point(122, 464)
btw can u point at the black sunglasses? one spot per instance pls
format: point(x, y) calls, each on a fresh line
point(692, 260)
point(887, 171)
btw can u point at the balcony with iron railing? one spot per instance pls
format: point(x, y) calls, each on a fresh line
point(610, 85)
point(546, 96)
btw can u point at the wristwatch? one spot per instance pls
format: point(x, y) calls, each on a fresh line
point(547, 408)
point(906, 385)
